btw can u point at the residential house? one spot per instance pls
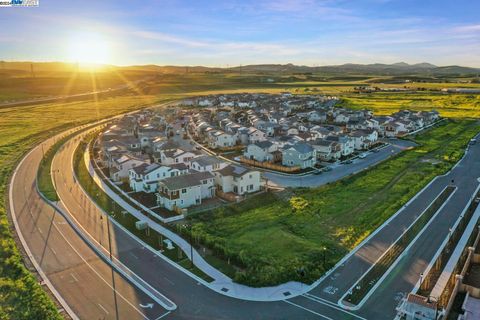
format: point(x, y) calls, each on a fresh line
point(347, 146)
point(122, 165)
point(145, 177)
point(168, 157)
point(263, 151)
point(299, 154)
point(326, 150)
point(219, 139)
point(238, 180)
point(255, 135)
point(206, 163)
point(186, 190)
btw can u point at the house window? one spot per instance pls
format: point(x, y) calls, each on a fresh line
point(250, 176)
point(204, 181)
point(184, 190)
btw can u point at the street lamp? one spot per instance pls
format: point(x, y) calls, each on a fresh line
point(324, 250)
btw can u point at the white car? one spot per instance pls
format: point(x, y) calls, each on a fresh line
point(362, 156)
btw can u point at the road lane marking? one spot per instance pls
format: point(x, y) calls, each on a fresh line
point(99, 275)
point(329, 304)
point(106, 311)
point(163, 315)
point(131, 253)
point(306, 309)
point(171, 282)
point(73, 276)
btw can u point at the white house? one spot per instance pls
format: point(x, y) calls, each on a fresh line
point(169, 157)
point(364, 139)
point(145, 177)
point(255, 135)
point(299, 154)
point(326, 150)
point(261, 151)
point(206, 163)
point(238, 180)
point(347, 145)
point(186, 190)
point(122, 165)
point(220, 139)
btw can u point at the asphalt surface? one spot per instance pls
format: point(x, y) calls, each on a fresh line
point(77, 273)
point(340, 171)
point(196, 301)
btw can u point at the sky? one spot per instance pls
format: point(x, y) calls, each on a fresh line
point(232, 33)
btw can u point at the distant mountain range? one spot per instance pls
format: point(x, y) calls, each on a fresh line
point(400, 68)
point(395, 69)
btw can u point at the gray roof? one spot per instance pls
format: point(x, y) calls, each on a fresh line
point(185, 181)
point(232, 170)
point(264, 144)
point(178, 166)
point(322, 142)
point(300, 147)
point(206, 160)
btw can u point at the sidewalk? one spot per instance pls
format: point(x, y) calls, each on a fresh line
point(221, 284)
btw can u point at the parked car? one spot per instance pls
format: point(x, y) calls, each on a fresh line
point(326, 169)
point(362, 156)
point(348, 161)
point(375, 150)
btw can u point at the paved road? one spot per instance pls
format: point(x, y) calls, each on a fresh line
point(342, 170)
point(77, 273)
point(198, 302)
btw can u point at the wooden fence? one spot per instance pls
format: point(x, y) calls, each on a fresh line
point(269, 165)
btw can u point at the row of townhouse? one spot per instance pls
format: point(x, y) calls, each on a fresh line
point(405, 121)
point(303, 152)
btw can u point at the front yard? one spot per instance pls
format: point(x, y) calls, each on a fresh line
point(273, 236)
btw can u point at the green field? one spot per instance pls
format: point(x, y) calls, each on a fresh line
point(383, 103)
point(273, 238)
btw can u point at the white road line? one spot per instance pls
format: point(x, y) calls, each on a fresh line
point(106, 311)
point(73, 276)
point(164, 315)
point(306, 309)
point(322, 299)
point(315, 298)
point(99, 275)
point(131, 253)
point(169, 280)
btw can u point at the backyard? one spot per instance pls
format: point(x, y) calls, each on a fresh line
point(273, 237)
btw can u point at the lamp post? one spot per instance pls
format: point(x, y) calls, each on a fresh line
point(324, 249)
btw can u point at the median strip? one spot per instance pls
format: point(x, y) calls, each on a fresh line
point(357, 294)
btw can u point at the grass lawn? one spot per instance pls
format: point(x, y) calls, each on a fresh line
point(274, 236)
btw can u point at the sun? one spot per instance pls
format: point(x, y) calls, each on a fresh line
point(89, 48)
